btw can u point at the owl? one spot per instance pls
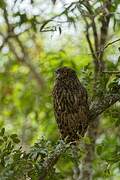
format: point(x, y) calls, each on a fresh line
point(70, 105)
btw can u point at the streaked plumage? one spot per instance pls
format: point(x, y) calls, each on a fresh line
point(70, 104)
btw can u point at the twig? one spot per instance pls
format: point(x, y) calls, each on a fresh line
point(110, 43)
point(4, 42)
point(58, 15)
point(91, 49)
point(88, 36)
point(94, 28)
point(111, 72)
point(93, 52)
point(105, 19)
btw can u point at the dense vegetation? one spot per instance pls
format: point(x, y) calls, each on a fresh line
point(36, 38)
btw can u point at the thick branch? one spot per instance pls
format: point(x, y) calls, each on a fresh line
point(100, 106)
point(105, 20)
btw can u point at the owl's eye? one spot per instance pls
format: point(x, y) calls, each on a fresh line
point(65, 73)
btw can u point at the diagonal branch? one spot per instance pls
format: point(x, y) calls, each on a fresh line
point(52, 159)
point(110, 43)
point(100, 106)
point(25, 60)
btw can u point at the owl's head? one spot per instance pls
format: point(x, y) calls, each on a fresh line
point(65, 72)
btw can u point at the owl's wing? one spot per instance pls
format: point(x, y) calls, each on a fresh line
point(83, 111)
point(71, 111)
point(79, 111)
point(77, 98)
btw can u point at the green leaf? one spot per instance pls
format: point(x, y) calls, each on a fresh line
point(16, 140)
point(87, 140)
point(1, 141)
point(13, 136)
point(5, 138)
point(2, 132)
point(9, 146)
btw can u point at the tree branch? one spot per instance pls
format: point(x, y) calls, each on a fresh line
point(44, 23)
point(105, 20)
point(94, 28)
point(25, 57)
point(92, 49)
point(110, 43)
point(25, 60)
point(52, 159)
point(111, 72)
point(100, 106)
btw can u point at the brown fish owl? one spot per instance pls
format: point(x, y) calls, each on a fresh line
point(70, 104)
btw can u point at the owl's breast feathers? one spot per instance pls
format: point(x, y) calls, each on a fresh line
point(71, 108)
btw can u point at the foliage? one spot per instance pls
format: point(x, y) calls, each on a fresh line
point(15, 160)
